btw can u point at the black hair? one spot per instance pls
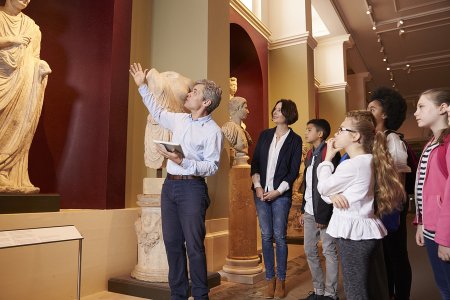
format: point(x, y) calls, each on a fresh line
point(393, 104)
point(288, 109)
point(321, 125)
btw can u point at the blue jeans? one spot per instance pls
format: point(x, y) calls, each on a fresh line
point(441, 269)
point(183, 209)
point(273, 218)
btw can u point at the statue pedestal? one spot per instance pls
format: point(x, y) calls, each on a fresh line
point(242, 263)
point(152, 260)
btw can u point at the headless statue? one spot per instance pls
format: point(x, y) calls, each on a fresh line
point(170, 90)
point(23, 78)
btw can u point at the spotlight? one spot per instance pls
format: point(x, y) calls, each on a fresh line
point(374, 27)
point(392, 76)
point(393, 85)
point(385, 59)
point(407, 65)
point(381, 49)
point(369, 10)
point(401, 32)
point(399, 23)
point(378, 38)
point(388, 68)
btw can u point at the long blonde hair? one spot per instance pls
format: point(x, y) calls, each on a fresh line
point(389, 191)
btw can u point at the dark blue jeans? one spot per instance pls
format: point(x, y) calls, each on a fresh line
point(441, 269)
point(273, 218)
point(183, 209)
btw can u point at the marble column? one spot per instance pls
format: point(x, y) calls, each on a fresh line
point(242, 263)
point(152, 260)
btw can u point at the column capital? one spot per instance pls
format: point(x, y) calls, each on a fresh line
point(293, 40)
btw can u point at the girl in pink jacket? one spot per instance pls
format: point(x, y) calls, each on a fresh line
point(433, 185)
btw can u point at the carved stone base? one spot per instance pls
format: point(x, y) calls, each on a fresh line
point(152, 260)
point(242, 267)
point(19, 190)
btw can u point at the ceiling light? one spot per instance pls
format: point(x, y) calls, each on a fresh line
point(399, 23)
point(393, 85)
point(388, 68)
point(374, 27)
point(378, 38)
point(392, 76)
point(385, 58)
point(407, 65)
point(369, 10)
point(381, 49)
point(401, 32)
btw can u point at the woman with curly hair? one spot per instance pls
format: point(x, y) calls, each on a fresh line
point(362, 189)
point(389, 110)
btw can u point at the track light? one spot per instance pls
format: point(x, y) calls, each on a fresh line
point(382, 49)
point(385, 59)
point(378, 38)
point(401, 32)
point(369, 10)
point(374, 27)
point(392, 76)
point(393, 85)
point(407, 65)
point(399, 23)
point(388, 68)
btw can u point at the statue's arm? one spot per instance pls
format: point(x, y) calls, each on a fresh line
point(8, 41)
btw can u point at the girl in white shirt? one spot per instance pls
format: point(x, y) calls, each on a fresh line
point(353, 188)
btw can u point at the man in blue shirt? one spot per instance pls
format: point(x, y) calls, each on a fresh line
point(184, 196)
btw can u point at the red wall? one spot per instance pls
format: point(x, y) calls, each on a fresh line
point(79, 149)
point(249, 64)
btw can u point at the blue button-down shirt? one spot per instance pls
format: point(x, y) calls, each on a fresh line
point(201, 139)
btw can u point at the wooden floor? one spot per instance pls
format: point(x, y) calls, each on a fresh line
point(298, 282)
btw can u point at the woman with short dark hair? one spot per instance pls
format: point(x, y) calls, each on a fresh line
point(275, 166)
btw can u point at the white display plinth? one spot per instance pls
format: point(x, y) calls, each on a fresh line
point(152, 259)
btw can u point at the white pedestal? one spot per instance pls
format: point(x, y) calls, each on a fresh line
point(152, 260)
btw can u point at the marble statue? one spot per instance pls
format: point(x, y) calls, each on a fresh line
point(233, 130)
point(233, 86)
point(170, 89)
point(23, 78)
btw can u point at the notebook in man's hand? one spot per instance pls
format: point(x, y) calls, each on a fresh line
point(170, 147)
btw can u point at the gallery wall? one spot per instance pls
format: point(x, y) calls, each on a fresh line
point(79, 147)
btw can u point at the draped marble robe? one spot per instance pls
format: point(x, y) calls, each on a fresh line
point(23, 78)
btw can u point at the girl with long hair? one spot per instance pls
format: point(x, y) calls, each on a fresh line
point(433, 185)
point(362, 189)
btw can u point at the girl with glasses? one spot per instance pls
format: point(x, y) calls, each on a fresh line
point(361, 189)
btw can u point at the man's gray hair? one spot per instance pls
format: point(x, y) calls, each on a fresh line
point(211, 92)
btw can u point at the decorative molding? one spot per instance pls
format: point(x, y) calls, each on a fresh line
point(413, 16)
point(344, 39)
point(423, 26)
point(316, 82)
point(293, 40)
point(250, 17)
point(334, 87)
point(398, 9)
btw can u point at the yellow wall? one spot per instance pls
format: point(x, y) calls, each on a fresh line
point(137, 112)
point(49, 271)
point(291, 76)
point(333, 108)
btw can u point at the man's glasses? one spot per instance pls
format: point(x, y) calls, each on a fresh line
point(345, 129)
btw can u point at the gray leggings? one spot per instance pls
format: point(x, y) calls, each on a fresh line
point(356, 257)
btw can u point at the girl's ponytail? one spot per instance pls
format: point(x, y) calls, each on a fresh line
point(389, 191)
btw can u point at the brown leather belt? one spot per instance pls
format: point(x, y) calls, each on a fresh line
point(183, 177)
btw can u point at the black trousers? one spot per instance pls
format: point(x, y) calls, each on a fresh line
point(396, 258)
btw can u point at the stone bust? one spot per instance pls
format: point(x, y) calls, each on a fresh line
point(233, 86)
point(233, 131)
